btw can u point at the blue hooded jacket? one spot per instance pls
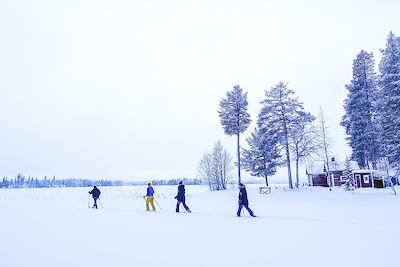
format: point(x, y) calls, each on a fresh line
point(150, 191)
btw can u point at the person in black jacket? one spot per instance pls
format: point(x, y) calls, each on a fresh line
point(95, 194)
point(243, 201)
point(181, 197)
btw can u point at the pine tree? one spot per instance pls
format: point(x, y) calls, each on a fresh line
point(281, 111)
point(360, 106)
point(262, 157)
point(350, 183)
point(389, 105)
point(234, 116)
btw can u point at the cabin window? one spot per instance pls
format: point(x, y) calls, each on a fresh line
point(366, 179)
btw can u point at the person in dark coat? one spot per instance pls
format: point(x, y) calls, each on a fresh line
point(95, 194)
point(181, 197)
point(243, 201)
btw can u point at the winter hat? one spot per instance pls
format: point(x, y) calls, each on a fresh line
point(149, 184)
point(180, 182)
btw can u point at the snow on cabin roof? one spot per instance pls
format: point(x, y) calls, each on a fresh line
point(318, 167)
point(341, 165)
point(315, 169)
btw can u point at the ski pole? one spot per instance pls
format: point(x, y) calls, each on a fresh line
point(88, 202)
point(101, 204)
point(157, 204)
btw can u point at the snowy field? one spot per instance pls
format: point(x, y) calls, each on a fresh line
point(54, 227)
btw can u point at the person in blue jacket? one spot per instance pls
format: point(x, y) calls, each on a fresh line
point(150, 197)
point(181, 197)
point(95, 194)
point(243, 201)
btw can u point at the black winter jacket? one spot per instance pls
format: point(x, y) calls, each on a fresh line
point(243, 197)
point(95, 192)
point(181, 193)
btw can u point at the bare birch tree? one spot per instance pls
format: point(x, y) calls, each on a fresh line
point(215, 168)
point(384, 166)
point(304, 144)
point(325, 142)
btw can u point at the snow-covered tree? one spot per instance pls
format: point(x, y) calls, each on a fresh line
point(204, 170)
point(325, 142)
point(350, 183)
point(234, 116)
point(262, 157)
point(360, 106)
point(303, 141)
point(384, 166)
point(215, 168)
point(389, 104)
point(222, 164)
point(282, 111)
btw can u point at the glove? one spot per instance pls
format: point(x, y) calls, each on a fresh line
point(89, 192)
point(144, 197)
point(239, 201)
point(175, 197)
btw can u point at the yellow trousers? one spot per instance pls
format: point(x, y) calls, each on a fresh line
point(150, 199)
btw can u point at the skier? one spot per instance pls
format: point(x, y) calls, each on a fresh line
point(181, 197)
point(150, 197)
point(95, 194)
point(243, 201)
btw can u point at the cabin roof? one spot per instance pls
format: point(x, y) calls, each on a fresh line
point(317, 168)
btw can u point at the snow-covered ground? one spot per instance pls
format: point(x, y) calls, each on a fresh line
point(54, 227)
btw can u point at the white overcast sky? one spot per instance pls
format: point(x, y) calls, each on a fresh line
point(130, 89)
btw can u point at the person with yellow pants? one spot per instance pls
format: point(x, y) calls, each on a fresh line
point(150, 198)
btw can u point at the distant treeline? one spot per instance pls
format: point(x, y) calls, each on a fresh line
point(185, 181)
point(31, 182)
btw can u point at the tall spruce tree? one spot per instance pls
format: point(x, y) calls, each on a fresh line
point(262, 157)
point(360, 106)
point(389, 105)
point(234, 116)
point(282, 111)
